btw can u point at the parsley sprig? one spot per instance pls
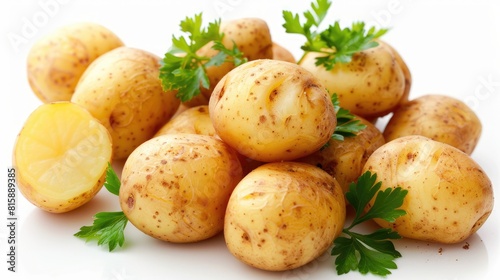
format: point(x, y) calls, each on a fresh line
point(108, 227)
point(374, 252)
point(336, 44)
point(347, 124)
point(183, 69)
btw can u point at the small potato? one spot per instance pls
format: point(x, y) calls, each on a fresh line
point(439, 117)
point(252, 37)
point(122, 89)
point(271, 110)
point(194, 120)
point(370, 86)
point(57, 61)
point(61, 156)
point(281, 53)
point(175, 187)
point(344, 160)
point(449, 195)
point(283, 215)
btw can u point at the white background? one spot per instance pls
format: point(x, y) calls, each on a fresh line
point(451, 47)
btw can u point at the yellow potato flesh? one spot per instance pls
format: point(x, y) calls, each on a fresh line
point(61, 155)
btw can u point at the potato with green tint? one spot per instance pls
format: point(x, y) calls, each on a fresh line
point(449, 195)
point(271, 110)
point(439, 117)
point(175, 187)
point(283, 215)
point(123, 91)
point(57, 61)
point(61, 156)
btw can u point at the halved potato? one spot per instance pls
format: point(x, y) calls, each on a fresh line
point(61, 156)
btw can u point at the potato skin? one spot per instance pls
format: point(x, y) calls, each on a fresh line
point(252, 37)
point(439, 117)
point(175, 187)
point(370, 86)
point(56, 62)
point(271, 110)
point(281, 53)
point(122, 89)
point(283, 215)
point(194, 120)
point(449, 195)
point(344, 160)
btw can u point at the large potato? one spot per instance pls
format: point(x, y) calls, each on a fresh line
point(370, 86)
point(439, 117)
point(61, 156)
point(271, 110)
point(252, 37)
point(57, 61)
point(122, 89)
point(175, 187)
point(344, 160)
point(449, 195)
point(283, 215)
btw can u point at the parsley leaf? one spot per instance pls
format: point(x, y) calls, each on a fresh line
point(108, 227)
point(369, 253)
point(347, 124)
point(112, 182)
point(336, 44)
point(182, 69)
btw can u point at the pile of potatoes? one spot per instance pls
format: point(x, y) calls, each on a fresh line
point(252, 156)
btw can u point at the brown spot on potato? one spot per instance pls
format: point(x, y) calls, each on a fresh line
point(130, 202)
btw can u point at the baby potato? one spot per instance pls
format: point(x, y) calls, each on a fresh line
point(449, 195)
point(281, 53)
point(57, 61)
point(175, 187)
point(252, 37)
point(283, 215)
point(439, 117)
point(344, 160)
point(122, 89)
point(370, 86)
point(61, 156)
point(271, 110)
point(194, 120)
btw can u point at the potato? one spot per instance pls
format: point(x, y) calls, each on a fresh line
point(370, 86)
point(449, 195)
point(175, 187)
point(283, 215)
point(439, 117)
point(57, 61)
point(344, 160)
point(252, 37)
point(61, 156)
point(122, 90)
point(281, 53)
point(271, 110)
point(194, 120)
point(404, 67)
